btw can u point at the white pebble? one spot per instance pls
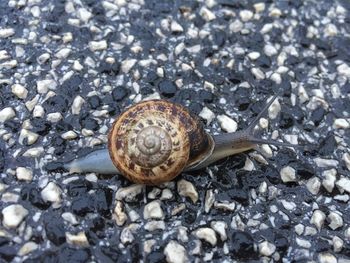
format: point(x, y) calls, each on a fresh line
point(329, 179)
point(344, 70)
point(206, 234)
point(153, 210)
point(20, 91)
point(303, 243)
point(69, 217)
point(326, 162)
point(84, 15)
point(51, 193)
point(54, 117)
point(186, 189)
point(6, 32)
point(175, 253)
point(43, 86)
point(98, 45)
point(77, 103)
point(27, 248)
point(254, 55)
point(341, 124)
point(326, 257)
point(318, 218)
point(288, 174)
point(63, 53)
point(275, 12)
point(207, 14)
point(176, 27)
point(337, 244)
point(13, 215)
point(207, 114)
point(24, 174)
point(274, 109)
point(236, 26)
point(79, 239)
point(330, 30)
point(258, 73)
point(166, 194)
point(38, 111)
point(267, 248)
point(343, 184)
point(246, 15)
point(129, 193)
point(7, 114)
point(346, 159)
point(29, 136)
point(154, 225)
point(336, 220)
point(313, 185)
point(259, 7)
point(270, 50)
point(69, 135)
point(226, 123)
point(220, 228)
point(34, 152)
point(127, 65)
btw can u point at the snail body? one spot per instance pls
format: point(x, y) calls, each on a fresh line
point(154, 141)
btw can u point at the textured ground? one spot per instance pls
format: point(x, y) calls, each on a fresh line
point(67, 69)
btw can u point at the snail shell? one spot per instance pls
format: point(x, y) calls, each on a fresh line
point(153, 141)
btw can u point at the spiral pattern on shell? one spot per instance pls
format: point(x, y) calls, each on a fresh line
point(149, 143)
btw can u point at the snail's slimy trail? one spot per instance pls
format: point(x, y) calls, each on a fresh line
point(95, 162)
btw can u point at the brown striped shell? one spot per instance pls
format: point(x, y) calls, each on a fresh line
point(153, 141)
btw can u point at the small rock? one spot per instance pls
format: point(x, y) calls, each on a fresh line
point(258, 73)
point(326, 257)
point(329, 179)
point(155, 225)
point(246, 15)
point(288, 174)
point(226, 123)
point(129, 193)
point(7, 114)
point(346, 159)
point(19, 90)
point(335, 219)
point(330, 30)
point(6, 32)
point(27, 137)
point(220, 228)
point(209, 200)
point(153, 210)
point(207, 114)
point(270, 50)
point(69, 135)
point(186, 189)
point(98, 45)
point(13, 215)
point(69, 217)
point(341, 124)
point(313, 185)
point(344, 69)
point(27, 248)
point(84, 15)
point(176, 27)
point(51, 193)
point(127, 65)
point(119, 215)
point(318, 218)
point(24, 174)
point(43, 86)
point(322, 163)
point(166, 194)
point(63, 53)
point(236, 26)
point(76, 106)
point(259, 7)
point(266, 248)
point(337, 244)
point(303, 243)
point(206, 234)
point(207, 14)
point(343, 184)
point(274, 109)
point(34, 152)
point(38, 111)
point(175, 253)
point(126, 236)
point(79, 239)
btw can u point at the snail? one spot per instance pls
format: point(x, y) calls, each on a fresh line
point(154, 141)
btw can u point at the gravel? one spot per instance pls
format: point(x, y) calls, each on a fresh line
point(68, 68)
